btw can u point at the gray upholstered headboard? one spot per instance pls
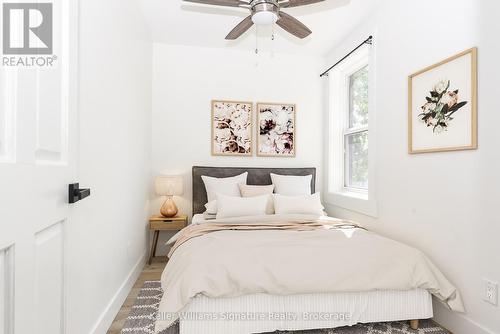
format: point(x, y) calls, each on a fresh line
point(256, 176)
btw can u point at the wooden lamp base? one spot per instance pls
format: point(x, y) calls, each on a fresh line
point(169, 209)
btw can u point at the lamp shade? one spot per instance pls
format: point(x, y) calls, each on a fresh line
point(166, 185)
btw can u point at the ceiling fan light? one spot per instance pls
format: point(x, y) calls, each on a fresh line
point(264, 18)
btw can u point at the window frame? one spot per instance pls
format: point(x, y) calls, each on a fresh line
point(349, 131)
point(336, 192)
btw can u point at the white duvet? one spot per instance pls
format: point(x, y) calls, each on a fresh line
point(232, 263)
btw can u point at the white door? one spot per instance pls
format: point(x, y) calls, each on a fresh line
point(38, 122)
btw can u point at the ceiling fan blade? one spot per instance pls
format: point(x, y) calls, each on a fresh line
point(240, 29)
point(227, 3)
point(293, 26)
point(297, 3)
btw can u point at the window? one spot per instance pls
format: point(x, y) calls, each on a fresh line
point(350, 173)
point(356, 132)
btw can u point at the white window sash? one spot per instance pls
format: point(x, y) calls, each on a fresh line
point(347, 171)
point(351, 131)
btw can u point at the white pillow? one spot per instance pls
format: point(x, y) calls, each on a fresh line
point(230, 206)
point(305, 204)
point(211, 207)
point(253, 191)
point(208, 216)
point(226, 186)
point(290, 185)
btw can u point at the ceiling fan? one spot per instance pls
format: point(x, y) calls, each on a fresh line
point(265, 12)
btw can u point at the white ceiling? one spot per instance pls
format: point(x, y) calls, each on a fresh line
point(178, 22)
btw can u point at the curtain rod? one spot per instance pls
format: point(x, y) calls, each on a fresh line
point(366, 41)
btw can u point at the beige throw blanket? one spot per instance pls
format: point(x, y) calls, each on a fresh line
point(194, 231)
point(277, 256)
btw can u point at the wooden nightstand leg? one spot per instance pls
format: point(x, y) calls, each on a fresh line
point(414, 324)
point(152, 253)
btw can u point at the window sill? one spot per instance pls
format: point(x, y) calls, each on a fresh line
point(353, 201)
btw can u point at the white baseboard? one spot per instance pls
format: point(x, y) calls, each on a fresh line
point(457, 323)
point(106, 319)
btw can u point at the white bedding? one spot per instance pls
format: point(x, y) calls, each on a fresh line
point(200, 218)
point(281, 263)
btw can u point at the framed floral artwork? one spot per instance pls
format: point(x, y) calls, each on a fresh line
point(276, 130)
point(442, 105)
point(232, 128)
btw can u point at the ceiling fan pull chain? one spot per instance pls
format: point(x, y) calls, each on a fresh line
point(256, 39)
point(272, 39)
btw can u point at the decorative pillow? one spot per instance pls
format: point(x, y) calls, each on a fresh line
point(230, 206)
point(253, 191)
point(305, 204)
point(290, 185)
point(226, 186)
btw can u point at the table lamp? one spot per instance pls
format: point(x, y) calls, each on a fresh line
point(169, 186)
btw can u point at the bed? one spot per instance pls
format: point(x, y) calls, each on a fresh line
point(318, 298)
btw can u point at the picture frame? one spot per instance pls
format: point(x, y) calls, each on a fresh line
point(270, 141)
point(231, 128)
point(442, 105)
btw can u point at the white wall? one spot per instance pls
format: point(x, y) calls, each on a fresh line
point(186, 79)
point(443, 203)
point(115, 146)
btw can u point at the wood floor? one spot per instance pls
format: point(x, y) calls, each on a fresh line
point(149, 273)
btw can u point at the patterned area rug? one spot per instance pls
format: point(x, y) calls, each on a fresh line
point(142, 318)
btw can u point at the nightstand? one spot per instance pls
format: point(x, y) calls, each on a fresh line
point(159, 223)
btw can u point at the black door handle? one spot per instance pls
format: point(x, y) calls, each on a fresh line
point(76, 194)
